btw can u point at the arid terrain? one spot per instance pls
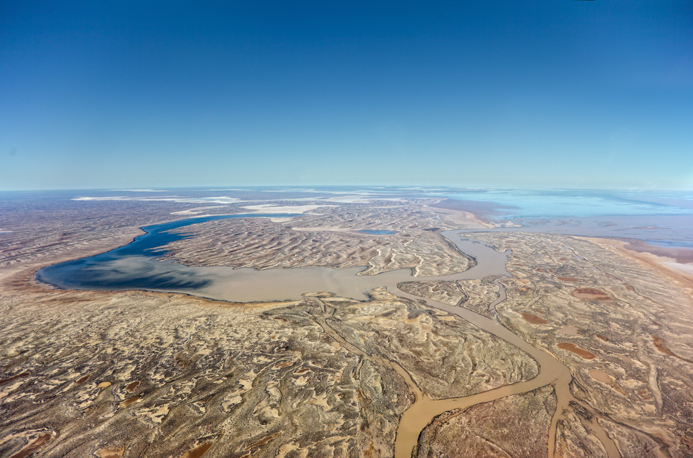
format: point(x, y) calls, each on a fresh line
point(330, 238)
point(151, 374)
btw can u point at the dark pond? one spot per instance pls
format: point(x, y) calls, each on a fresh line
point(87, 273)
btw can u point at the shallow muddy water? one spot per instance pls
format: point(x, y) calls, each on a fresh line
point(138, 266)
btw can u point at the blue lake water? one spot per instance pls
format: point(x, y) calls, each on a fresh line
point(519, 203)
point(86, 273)
point(137, 267)
point(662, 218)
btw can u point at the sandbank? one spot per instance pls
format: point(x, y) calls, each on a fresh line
point(474, 210)
point(196, 211)
point(269, 208)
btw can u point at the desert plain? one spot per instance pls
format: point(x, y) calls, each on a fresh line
point(580, 347)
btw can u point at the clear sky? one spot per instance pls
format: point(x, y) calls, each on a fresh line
point(510, 93)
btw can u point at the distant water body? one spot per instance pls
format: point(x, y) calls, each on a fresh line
point(659, 218)
point(581, 204)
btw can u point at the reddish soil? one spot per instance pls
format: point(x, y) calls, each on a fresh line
point(198, 451)
point(262, 441)
point(82, 379)
point(111, 452)
point(30, 448)
point(599, 336)
point(570, 279)
point(575, 349)
point(132, 386)
point(14, 377)
point(530, 318)
point(659, 343)
point(591, 294)
point(645, 395)
point(127, 402)
point(619, 389)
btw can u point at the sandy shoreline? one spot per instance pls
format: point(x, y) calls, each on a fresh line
point(671, 267)
point(680, 255)
point(474, 209)
point(22, 280)
point(470, 215)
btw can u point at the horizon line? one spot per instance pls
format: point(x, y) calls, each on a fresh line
point(309, 186)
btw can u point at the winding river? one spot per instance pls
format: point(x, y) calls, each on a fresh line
point(138, 265)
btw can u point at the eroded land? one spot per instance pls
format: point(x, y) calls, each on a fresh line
point(330, 238)
point(124, 374)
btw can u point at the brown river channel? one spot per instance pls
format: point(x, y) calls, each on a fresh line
point(248, 285)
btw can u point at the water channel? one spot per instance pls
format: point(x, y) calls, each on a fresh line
point(138, 265)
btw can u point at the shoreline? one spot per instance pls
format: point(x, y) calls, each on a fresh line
point(668, 266)
point(473, 207)
point(681, 255)
point(475, 215)
point(23, 280)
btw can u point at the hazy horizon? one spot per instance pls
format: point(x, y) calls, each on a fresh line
point(308, 186)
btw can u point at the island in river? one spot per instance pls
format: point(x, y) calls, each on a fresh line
point(275, 323)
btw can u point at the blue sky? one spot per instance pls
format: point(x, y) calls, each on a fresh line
point(559, 93)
